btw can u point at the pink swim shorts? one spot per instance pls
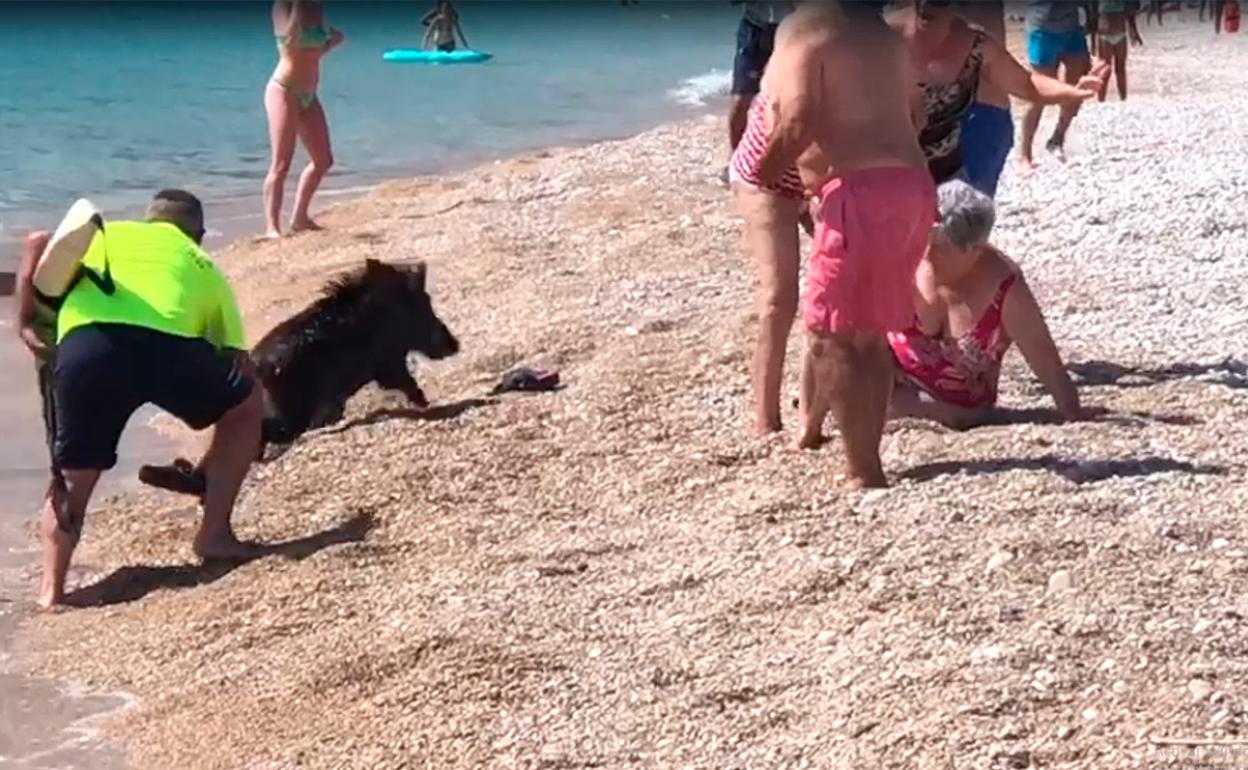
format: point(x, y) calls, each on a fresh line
point(872, 231)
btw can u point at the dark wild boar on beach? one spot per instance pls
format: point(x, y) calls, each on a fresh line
point(360, 331)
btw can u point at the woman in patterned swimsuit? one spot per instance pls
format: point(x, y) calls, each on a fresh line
point(974, 305)
point(950, 56)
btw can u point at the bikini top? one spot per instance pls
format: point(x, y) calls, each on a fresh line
point(310, 37)
point(945, 104)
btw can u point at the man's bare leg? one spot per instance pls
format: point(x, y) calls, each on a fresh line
point(1031, 123)
point(823, 359)
point(1074, 67)
point(59, 542)
point(852, 374)
point(771, 238)
point(860, 395)
point(235, 439)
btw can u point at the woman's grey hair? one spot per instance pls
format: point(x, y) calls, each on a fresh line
point(966, 214)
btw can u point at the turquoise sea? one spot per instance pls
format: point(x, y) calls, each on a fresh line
point(113, 100)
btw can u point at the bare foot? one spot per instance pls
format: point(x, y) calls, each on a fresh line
point(811, 439)
point(301, 225)
point(228, 549)
point(869, 481)
point(269, 235)
point(1058, 149)
point(50, 600)
point(765, 426)
point(1026, 165)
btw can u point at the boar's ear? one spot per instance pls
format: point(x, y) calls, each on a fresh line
point(372, 265)
point(417, 273)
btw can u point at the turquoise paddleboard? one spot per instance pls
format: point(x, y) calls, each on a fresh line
point(417, 56)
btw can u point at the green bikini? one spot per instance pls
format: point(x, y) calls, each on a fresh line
point(312, 38)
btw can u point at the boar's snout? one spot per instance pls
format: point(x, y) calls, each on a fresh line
point(443, 344)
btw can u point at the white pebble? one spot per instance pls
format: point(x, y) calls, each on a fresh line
point(1061, 582)
point(998, 560)
point(1199, 690)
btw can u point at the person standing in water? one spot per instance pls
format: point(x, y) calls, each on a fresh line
point(443, 24)
point(1115, 23)
point(294, 111)
point(1054, 39)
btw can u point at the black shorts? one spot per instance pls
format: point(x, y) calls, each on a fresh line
point(754, 45)
point(104, 372)
point(43, 371)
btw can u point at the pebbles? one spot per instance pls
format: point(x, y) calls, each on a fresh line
point(1199, 690)
point(1061, 582)
point(597, 577)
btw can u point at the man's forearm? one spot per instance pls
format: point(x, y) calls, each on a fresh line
point(24, 283)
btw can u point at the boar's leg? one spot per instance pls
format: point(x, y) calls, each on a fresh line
point(393, 375)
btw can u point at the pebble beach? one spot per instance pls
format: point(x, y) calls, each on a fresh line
point(619, 575)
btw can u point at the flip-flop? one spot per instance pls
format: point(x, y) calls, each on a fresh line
point(179, 476)
point(527, 380)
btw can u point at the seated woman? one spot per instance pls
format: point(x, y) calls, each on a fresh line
point(972, 305)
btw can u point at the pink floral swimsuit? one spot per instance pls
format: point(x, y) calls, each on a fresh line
point(962, 371)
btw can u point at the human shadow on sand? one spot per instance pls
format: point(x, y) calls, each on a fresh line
point(1000, 416)
point(1077, 471)
point(131, 583)
point(435, 413)
point(1230, 372)
point(1048, 416)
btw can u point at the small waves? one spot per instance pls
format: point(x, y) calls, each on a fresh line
point(697, 90)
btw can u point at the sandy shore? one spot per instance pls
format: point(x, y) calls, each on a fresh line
point(617, 575)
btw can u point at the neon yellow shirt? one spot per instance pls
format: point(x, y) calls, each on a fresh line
point(162, 280)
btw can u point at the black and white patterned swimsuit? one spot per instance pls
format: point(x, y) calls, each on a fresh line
point(945, 104)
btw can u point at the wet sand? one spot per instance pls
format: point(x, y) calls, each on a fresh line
point(45, 723)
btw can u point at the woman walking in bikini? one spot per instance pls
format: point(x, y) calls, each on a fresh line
point(294, 111)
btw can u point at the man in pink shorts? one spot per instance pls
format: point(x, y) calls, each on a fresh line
point(842, 88)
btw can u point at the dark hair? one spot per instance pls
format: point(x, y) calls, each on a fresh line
point(178, 207)
point(865, 7)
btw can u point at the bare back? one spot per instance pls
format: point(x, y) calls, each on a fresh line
point(868, 78)
point(840, 85)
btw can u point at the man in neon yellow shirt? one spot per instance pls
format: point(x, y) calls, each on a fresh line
point(151, 321)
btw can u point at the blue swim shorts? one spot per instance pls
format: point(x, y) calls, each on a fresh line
point(1045, 49)
point(987, 137)
point(754, 45)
